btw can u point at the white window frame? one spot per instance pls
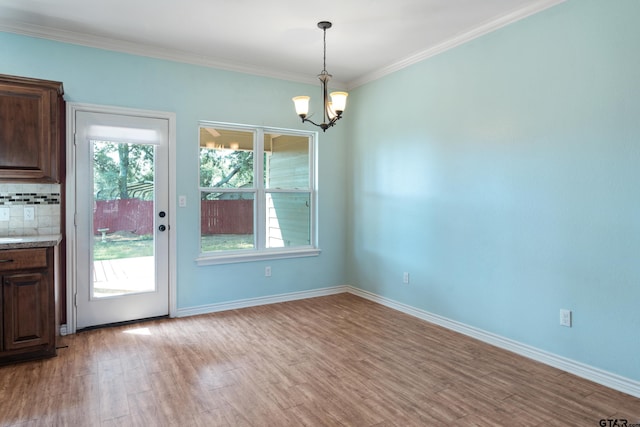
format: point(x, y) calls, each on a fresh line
point(260, 252)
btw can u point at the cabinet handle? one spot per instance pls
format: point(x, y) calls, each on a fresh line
point(5, 260)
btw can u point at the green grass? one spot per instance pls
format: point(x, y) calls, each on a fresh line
point(128, 245)
point(226, 242)
point(122, 245)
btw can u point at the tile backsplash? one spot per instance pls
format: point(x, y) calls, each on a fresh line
point(15, 203)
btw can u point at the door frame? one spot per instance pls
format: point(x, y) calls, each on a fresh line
point(70, 188)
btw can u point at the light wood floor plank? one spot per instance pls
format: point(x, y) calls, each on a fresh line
point(330, 361)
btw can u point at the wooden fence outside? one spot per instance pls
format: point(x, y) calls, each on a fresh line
point(136, 216)
point(226, 217)
point(131, 215)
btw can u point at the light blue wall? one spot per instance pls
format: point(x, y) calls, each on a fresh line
point(504, 176)
point(199, 93)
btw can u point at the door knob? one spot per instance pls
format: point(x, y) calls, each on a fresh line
point(162, 227)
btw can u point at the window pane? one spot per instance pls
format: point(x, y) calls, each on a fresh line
point(286, 161)
point(226, 158)
point(288, 220)
point(226, 221)
point(257, 188)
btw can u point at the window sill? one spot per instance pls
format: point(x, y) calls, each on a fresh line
point(231, 258)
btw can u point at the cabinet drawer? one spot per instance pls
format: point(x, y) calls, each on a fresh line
point(20, 259)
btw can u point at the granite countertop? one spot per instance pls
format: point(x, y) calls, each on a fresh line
point(25, 242)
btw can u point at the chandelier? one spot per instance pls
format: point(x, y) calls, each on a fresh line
point(333, 109)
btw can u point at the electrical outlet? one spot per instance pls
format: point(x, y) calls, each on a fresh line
point(5, 214)
point(405, 277)
point(182, 201)
point(267, 271)
point(29, 213)
point(565, 318)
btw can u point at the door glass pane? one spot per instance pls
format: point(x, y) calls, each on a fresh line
point(226, 221)
point(123, 219)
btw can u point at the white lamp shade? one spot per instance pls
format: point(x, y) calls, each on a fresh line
point(339, 101)
point(330, 111)
point(302, 105)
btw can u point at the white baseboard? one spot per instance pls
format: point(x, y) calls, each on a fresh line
point(591, 373)
point(252, 302)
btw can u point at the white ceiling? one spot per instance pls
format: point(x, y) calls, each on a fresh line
point(278, 38)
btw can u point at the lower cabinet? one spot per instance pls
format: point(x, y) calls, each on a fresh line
point(27, 304)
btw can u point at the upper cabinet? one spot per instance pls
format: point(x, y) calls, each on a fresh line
point(31, 129)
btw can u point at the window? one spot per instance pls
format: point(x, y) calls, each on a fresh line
point(257, 193)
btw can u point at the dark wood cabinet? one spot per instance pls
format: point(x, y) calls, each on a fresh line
point(27, 304)
point(31, 129)
point(32, 143)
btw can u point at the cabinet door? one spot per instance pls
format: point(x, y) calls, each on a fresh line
point(28, 133)
point(27, 321)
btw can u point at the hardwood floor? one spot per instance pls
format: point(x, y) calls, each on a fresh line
point(331, 361)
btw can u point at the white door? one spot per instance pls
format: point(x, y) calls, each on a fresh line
point(122, 237)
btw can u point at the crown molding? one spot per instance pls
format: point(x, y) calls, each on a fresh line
point(150, 51)
point(457, 40)
point(156, 52)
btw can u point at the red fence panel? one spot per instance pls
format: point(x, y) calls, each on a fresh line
point(132, 215)
point(136, 216)
point(226, 217)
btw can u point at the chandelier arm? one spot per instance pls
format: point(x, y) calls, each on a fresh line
point(334, 120)
point(312, 122)
point(323, 125)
